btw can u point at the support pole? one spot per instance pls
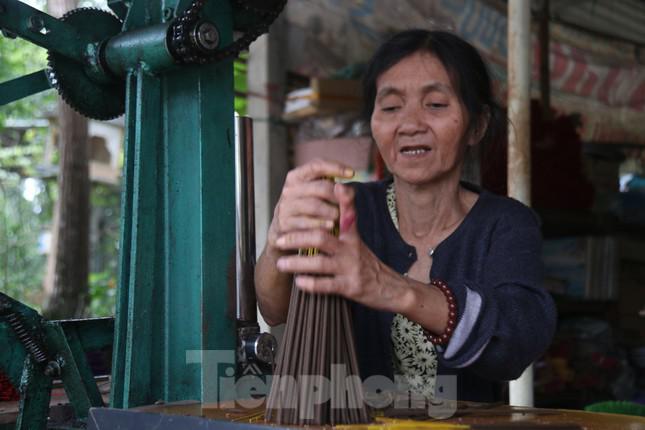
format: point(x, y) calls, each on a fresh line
point(519, 108)
point(245, 301)
point(519, 135)
point(174, 329)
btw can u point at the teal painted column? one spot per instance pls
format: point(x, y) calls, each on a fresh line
point(178, 230)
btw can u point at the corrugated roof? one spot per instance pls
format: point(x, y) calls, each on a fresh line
point(619, 19)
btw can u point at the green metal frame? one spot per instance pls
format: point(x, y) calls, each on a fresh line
point(176, 281)
point(23, 86)
point(67, 342)
point(178, 228)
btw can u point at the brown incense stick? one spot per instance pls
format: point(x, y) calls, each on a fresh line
point(317, 336)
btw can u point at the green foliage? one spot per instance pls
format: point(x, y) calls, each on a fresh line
point(102, 293)
point(104, 253)
point(25, 210)
point(20, 151)
point(24, 222)
point(26, 207)
point(240, 86)
point(25, 200)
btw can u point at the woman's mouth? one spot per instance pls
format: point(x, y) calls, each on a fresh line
point(415, 150)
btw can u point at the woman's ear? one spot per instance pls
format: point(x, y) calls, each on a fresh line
point(479, 129)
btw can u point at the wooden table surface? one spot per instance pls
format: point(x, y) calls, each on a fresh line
point(468, 416)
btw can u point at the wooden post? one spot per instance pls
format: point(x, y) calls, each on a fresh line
point(66, 280)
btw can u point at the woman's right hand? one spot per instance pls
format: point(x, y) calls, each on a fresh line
point(307, 200)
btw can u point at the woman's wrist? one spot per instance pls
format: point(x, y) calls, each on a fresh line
point(443, 337)
point(426, 305)
point(398, 292)
point(272, 288)
point(414, 298)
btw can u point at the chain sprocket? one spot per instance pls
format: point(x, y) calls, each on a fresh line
point(184, 49)
point(100, 99)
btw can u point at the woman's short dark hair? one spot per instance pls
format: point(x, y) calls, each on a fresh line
point(466, 68)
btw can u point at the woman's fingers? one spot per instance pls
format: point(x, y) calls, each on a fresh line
point(317, 264)
point(297, 223)
point(304, 214)
point(305, 206)
point(320, 239)
point(310, 207)
point(308, 200)
point(317, 284)
point(318, 169)
point(320, 188)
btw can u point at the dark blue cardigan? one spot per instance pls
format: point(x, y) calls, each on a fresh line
point(493, 257)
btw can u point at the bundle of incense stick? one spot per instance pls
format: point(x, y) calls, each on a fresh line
point(316, 379)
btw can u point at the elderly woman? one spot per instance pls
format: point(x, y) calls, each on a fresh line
point(444, 277)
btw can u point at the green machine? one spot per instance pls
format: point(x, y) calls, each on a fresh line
point(166, 64)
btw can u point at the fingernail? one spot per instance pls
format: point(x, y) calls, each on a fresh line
point(348, 173)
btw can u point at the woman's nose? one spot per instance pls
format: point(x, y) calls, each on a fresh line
point(412, 121)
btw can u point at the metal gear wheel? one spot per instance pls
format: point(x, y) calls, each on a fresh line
point(95, 98)
point(181, 39)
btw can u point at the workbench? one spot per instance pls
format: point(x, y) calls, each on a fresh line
point(468, 416)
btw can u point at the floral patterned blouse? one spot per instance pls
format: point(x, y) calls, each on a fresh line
point(415, 357)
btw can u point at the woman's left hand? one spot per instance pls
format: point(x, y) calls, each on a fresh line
point(345, 266)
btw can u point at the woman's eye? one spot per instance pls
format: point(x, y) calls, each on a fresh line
point(389, 108)
point(437, 105)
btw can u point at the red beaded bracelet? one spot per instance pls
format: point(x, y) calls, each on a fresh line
point(443, 338)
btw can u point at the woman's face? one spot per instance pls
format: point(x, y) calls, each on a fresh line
point(418, 121)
